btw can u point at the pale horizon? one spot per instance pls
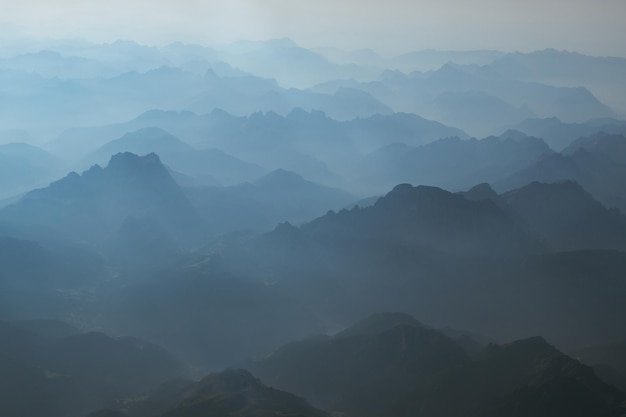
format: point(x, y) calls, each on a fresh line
point(392, 28)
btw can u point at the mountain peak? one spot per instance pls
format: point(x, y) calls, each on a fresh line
point(481, 191)
point(124, 161)
point(611, 145)
point(232, 380)
point(406, 195)
point(143, 141)
point(514, 135)
point(101, 198)
point(379, 323)
point(281, 178)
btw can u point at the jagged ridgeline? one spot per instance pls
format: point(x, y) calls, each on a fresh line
point(261, 229)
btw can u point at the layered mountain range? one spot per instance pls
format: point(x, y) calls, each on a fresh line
point(226, 231)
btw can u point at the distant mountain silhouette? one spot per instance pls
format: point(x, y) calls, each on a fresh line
point(309, 143)
point(451, 163)
point(597, 162)
point(560, 135)
point(566, 68)
point(287, 62)
point(568, 217)
point(455, 89)
point(432, 59)
point(611, 146)
point(92, 205)
point(475, 111)
point(179, 156)
point(141, 142)
point(24, 167)
point(153, 81)
point(276, 197)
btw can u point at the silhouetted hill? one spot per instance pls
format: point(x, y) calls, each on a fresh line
point(93, 205)
point(363, 369)
point(141, 142)
point(390, 364)
point(451, 163)
point(526, 377)
point(422, 250)
point(544, 100)
point(611, 146)
point(568, 217)
point(426, 217)
point(560, 135)
point(482, 92)
point(156, 82)
point(568, 68)
point(179, 156)
point(432, 59)
point(70, 375)
point(24, 167)
point(597, 162)
point(608, 361)
point(309, 143)
point(290, 64)
point(276, 197)
point(231, 393)
point(476, 111)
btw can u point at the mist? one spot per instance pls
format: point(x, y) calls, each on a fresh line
point(274, 209)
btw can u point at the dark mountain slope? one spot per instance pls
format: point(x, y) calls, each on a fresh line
point(608, 361)
point(363, 369)
point(426, 217)
point(390, 364)
point(276, 197)
point(424, 250)
point(50, 375)
point(568, 217)
point(451, 163)
point(597, 162)
point(93, 205)
point(527, 377)
point(231, 393)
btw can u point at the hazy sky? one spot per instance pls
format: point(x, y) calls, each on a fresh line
point(389, 26)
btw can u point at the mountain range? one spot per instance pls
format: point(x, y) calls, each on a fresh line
point(390, 364)
point(263, 229)
point(93, 205)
